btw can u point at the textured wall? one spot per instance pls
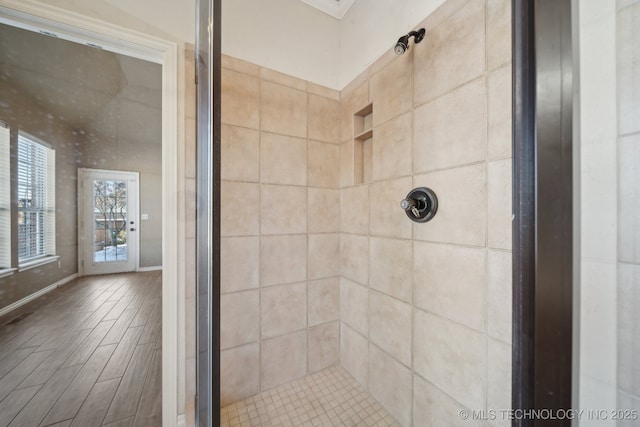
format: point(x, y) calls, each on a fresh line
point(280, 228)
point(425, 309)
point(21, 114)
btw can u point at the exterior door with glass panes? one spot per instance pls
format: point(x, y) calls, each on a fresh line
point(108, 221)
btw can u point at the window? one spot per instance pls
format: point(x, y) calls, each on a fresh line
point(36, 200)
point(5, 201)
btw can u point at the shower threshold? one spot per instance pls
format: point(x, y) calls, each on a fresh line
point(331, 397)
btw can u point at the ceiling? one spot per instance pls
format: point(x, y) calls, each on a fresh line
point(75, 82)
point(335, 8)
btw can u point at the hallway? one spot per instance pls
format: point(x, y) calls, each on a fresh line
point(87, 354)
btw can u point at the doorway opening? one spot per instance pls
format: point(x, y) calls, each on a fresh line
point(108, 237)
point(101, 36)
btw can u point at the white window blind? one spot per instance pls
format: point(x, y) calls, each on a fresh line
point(5, 198)
point(36, 199)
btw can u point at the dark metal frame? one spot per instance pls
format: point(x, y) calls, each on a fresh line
point(542, 207)
point(208, 58)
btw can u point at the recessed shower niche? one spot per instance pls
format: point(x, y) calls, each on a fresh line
point(362, 141)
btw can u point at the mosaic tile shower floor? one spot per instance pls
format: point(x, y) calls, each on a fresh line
point(328, 398)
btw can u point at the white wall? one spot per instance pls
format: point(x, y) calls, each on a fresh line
point(292, 37)
point(370, 28)
point(284, 35)
point(170, 19)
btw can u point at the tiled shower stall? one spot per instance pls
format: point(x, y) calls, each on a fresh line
point(320, 265)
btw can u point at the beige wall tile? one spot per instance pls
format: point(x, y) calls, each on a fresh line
point(283, 259)
point(325, 92)
point(240, 66)
point(190, 316)
point(451, 357)
point(500, 115)
point(234, 219)
point(324, 165)
point(284, 110)
point(324, 119)
point(283, 209)
point(324, 346)
point(450, 281)
point(324, 255)
point(283, 359)
point(454, 53)
point(353, 101)
point(390, 326)
point(239, 263)
point(190, 201)
point(190, 148)
point(240, 154)
point(499, 316)
point(391, 268)
point(354, 354)
point(283, 79)
point(499, 200)
point(324, 300)
point(390, 383)
point(628, 330)
point(391, 148)
point(499, 380)
point(190, 391)
point(432, 407)
point(239, 373)
point(190, 268)
point(346, 164)
point(498, 32)
point(284, 309)
point(283, 159)
point(391, 89)
point(387, 218)
point(462, 201)
point(451, 130)
point(240, 99)
point(628, 67)
point(354, 305)
point(354, 256)
point(629, 199)
point(354, 207)
point(189, 84)
point(239, 318)
point(442, 13)
point(323, 210)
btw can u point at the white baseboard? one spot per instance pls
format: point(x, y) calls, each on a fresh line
point(35, 295)
point(180, 422)
point(154, 268)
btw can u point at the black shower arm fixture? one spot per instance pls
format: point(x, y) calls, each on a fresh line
point(417, 35)
point(403, 42)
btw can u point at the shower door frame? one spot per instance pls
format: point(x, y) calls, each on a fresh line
point(543, 208)
point(543, 268)
point(208, 58)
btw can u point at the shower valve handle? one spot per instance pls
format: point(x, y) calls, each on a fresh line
point(410, 205)
point(420, 205)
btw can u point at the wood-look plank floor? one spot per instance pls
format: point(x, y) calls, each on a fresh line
point(87, 354)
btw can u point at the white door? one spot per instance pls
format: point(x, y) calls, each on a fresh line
point(108, 221)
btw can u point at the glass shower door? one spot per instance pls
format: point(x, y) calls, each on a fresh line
point(609, 205)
